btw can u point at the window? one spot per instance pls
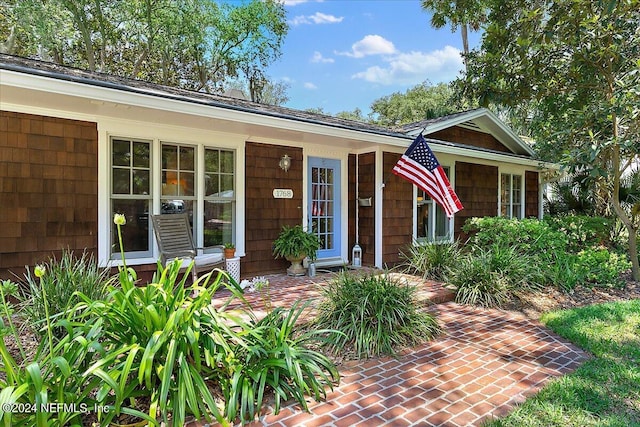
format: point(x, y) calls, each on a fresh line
point(432, 224)
point(182, 186)
point(511, 196)
point(219, 199)
point(131, 194)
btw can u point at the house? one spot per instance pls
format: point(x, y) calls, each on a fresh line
point(77, 146)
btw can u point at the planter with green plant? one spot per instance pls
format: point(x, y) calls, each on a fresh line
point(229, 250)
point(295, 244)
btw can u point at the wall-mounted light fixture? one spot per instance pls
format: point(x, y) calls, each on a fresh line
point(285, 163)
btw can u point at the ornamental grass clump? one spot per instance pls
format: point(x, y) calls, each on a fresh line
point(432, 260)
point(374, 315)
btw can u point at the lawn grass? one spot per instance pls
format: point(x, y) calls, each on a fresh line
point(604, 391)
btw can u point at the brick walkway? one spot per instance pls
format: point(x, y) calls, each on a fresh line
point(484, 363)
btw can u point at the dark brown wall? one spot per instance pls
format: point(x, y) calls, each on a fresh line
point(469, 137)
point(48, 189)
point(367, 178)
point(265, 215)
point(531, 207)
point(477, 189)
point(397, 215)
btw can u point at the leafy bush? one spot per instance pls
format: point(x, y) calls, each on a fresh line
point(432, 260)
point(273, 356)
point(529, 236)
point(477, 283)
point(519, 270)
point(58, 286)
point(600, 267)
point(582, 231)
point(374, 314)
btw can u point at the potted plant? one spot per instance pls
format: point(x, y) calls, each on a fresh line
point(229, 250)
point(295, 244)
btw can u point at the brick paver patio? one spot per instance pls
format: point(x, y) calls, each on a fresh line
point(484, 363)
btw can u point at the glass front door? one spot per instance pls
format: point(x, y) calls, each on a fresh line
point(324, 204)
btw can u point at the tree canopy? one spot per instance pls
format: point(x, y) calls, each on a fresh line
point(572, 69)
point(193, 44)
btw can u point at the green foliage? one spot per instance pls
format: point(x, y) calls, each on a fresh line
point(160, 343)
point(198, 45)
point(602, 391)
point(420, 102)
point(529, 236)
point(295, 241)
point(432, 260)
point(476, 283)
point(58, 288)
point(374, 314)
point(582, 231)
point(601, 267)
point(274, 356)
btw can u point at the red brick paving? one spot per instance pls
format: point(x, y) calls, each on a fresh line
point(483, 364)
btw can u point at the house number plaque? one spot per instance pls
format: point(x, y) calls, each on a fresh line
point(282, 193)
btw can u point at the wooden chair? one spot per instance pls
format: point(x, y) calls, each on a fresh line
point(175, 240)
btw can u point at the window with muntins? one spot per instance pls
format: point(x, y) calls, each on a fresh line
point(432, 224)
point(206, 195)
point(511, 196)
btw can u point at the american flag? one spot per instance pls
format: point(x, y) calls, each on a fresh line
point(419, 166)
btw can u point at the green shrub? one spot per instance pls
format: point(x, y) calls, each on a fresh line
point(374, 314)
point(275, 356)
point(529, 236)
point(476, 283)
point(600, 267)
point(582, 231)
point(431, 260)
point(58, 286)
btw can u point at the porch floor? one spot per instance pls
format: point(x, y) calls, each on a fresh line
point(484, 363)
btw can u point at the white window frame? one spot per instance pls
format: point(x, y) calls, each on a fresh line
point(510, 204)
point(432, 216)
point(155, 198)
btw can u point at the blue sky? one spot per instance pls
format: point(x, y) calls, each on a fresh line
point(344, 54)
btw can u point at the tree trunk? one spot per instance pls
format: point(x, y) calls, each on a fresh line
point(465, 38)
point(620, 213)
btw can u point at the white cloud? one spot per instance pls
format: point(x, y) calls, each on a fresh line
point(370, 45)
point(310, 86)
point(415, 67)
point(317, 57)
point(316, 18)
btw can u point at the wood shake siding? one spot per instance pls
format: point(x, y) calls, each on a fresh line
point(48, 189)
point(469, 137)
point(397, 215)
point(531, 186)
point(477, 189)
point(367, 179)
point(265, 215)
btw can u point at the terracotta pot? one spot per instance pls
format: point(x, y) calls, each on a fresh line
point(229, 253)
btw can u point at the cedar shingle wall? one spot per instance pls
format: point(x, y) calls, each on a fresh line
point(477, 189)
point(531, 206)
point(48, 189)
point(266, 215)
point(469, 137)
point(397, 215)
point(367, 178)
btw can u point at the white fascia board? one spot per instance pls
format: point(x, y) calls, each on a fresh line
point(197, 108)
